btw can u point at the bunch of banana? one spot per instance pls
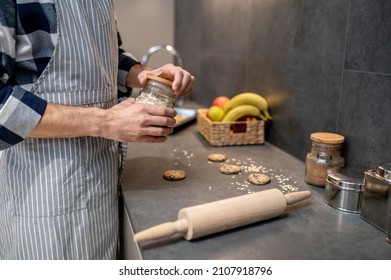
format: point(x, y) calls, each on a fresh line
point(246, 104)
point(240, 111)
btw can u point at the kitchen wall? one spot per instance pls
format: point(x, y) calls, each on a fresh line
point(144, 24)
point(322, 65)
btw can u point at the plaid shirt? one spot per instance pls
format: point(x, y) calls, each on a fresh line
point(28, 34)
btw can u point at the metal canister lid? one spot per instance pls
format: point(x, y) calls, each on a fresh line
point(346, 178)
point(384, 170)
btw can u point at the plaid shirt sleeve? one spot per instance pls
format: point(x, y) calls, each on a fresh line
point(125, 62)
point(20, 110)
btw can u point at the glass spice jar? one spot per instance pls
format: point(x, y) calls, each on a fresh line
point(325, 153)
point(157, 91)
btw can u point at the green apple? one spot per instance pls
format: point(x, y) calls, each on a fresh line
point(215, 113)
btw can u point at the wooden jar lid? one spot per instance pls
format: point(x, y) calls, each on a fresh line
point(327, 138)
point(164, 81)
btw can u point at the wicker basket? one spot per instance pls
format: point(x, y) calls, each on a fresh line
point(230, 133)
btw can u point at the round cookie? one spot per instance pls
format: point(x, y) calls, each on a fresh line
point(258, 179)
point(217, 157)
point(174, 175)
point(230, 169)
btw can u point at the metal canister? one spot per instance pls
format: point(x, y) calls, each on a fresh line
point(343, 189)
point(376, 200)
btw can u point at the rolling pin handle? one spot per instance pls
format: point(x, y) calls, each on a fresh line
point(295, 197)
point(161, 231)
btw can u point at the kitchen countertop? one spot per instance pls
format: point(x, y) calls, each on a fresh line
point(308, 230)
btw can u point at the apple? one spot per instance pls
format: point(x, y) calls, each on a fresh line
point(215, 113)
point(220, 101)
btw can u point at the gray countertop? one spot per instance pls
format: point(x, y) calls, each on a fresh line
point(309, 230)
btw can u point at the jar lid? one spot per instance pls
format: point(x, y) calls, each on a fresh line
point(346, 177)
point(164, 81)
point(327, 138)
point(384, 170)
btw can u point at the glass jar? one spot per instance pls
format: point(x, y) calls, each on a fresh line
point(325, 153)
point(157, 91)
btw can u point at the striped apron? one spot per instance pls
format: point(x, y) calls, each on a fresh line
point(58, 197)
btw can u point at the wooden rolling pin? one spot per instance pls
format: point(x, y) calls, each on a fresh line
point(201, 220)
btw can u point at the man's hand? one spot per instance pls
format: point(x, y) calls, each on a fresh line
point(183, 81)
point(125, 122)
point(132, 122)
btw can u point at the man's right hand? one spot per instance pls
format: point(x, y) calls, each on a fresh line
point(124, 122)
point(133, 122)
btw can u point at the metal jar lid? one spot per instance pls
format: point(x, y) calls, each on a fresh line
point(346, 178)
point(384, 171)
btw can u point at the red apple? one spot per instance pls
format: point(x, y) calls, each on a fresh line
point(220, 101)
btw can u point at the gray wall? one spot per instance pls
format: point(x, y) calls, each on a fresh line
point(137, 36)
point(323, 65)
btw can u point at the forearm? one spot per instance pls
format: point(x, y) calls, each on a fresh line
point(68, 121)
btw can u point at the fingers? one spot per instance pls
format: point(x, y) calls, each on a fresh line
point(132, 122)
point(157, 121)
point(149, 139)
point(157, 110)
point(154, 131)
point(149, 134)
point(183, 81)
point(153, 119)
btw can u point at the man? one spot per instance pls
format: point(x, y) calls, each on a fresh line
point(61, 126)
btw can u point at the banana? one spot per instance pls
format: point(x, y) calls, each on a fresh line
point(248, 98)
point(241, 111)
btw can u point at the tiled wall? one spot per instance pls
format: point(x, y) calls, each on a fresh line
point(323, 65)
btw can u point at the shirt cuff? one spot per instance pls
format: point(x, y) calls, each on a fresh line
point(126, 61)
point(19, 115)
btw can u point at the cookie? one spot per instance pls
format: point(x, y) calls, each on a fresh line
point(174, 175)
point(217, 157)
point(258, 179)
point(230, 169)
